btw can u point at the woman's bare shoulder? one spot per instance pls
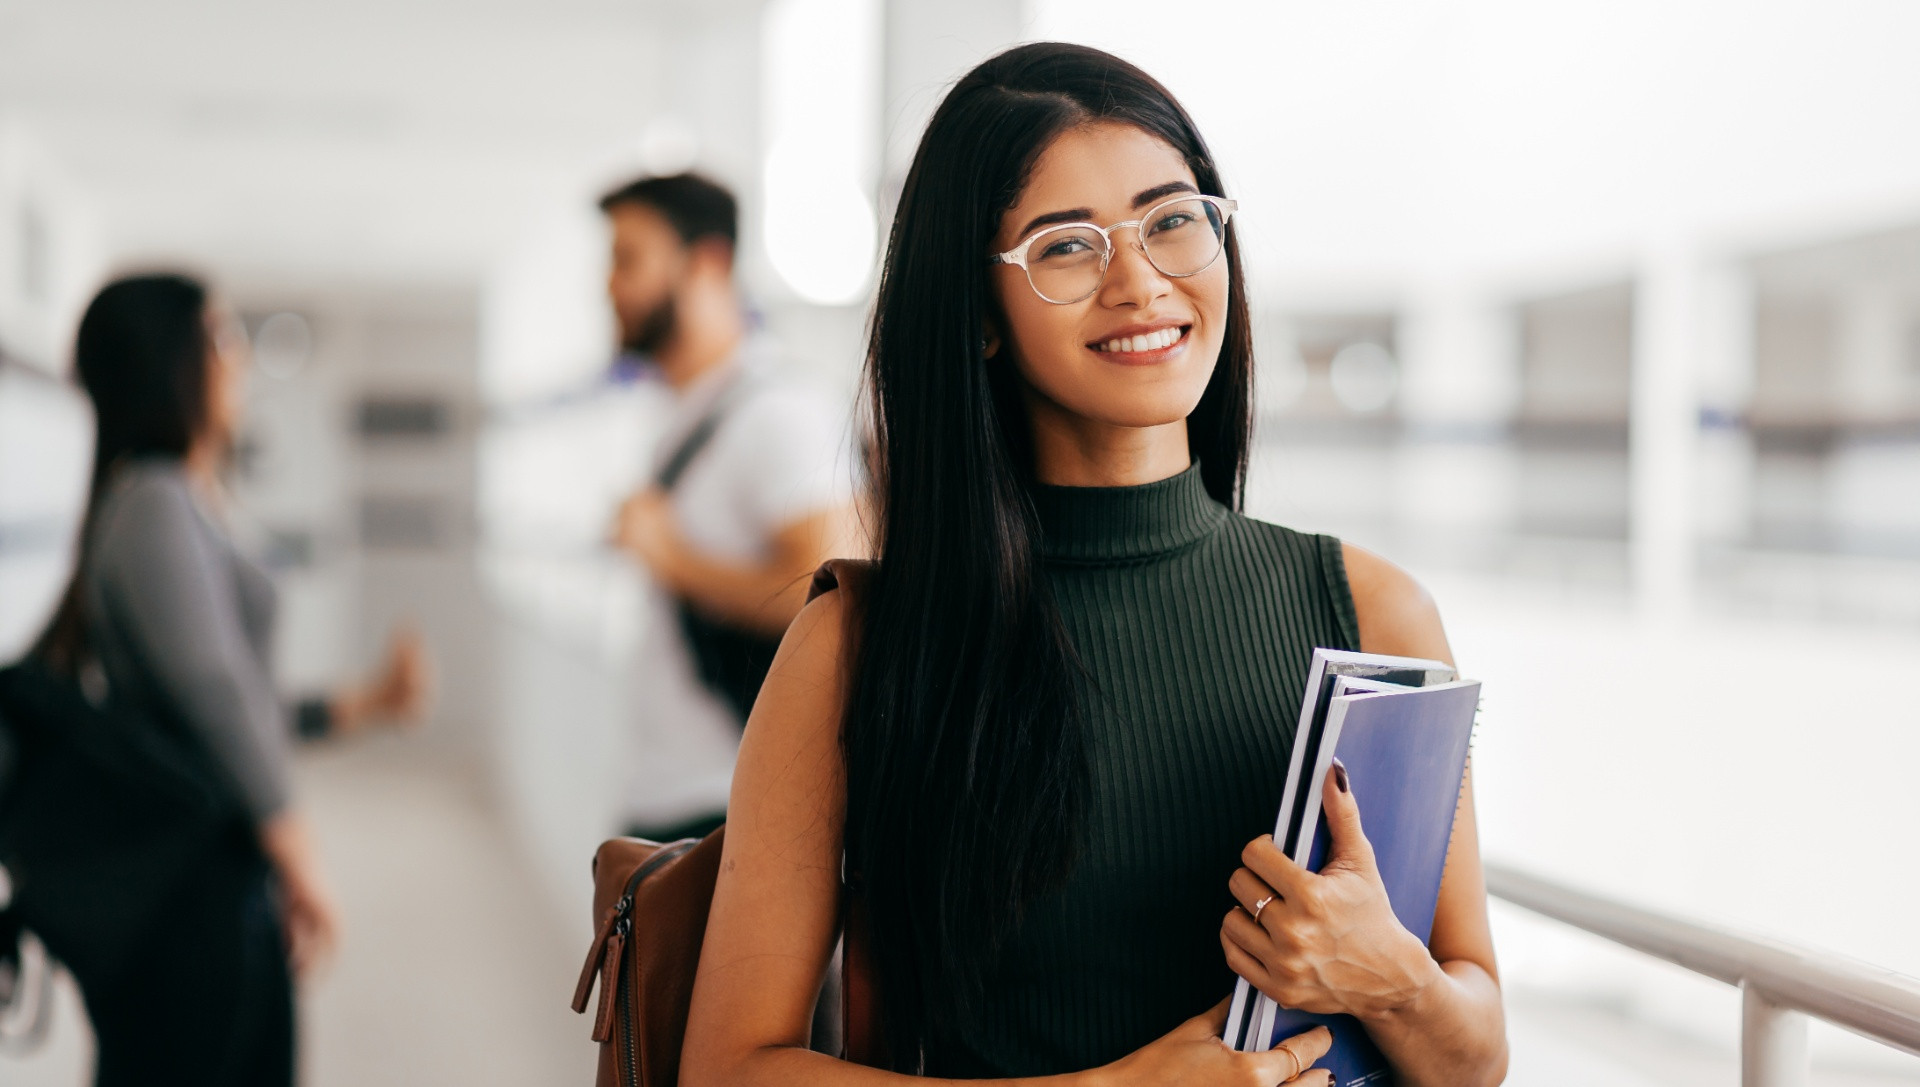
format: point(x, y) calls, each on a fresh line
point(1397, 615)
point(816, 645)
point(790, 772)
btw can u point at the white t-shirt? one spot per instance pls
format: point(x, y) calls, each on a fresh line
point(781, 452)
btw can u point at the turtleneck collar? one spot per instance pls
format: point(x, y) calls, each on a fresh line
point(1120, 524)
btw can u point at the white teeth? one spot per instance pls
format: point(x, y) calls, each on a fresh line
point(1152, 341)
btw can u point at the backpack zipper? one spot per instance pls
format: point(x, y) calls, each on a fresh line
point(627, 1017)
point(623, 927)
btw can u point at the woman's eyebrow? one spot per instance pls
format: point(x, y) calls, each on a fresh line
point(1071, 215)
point(1082, 215)
point(1148, 196)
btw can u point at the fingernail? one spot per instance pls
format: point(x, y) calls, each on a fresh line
point(1340, 775)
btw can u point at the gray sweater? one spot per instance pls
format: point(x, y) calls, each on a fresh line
point(182, 623)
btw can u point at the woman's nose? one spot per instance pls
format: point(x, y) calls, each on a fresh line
point(1131, 278)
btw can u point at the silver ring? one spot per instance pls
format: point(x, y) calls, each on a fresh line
point(1257, 907)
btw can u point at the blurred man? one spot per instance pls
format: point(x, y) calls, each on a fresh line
point(751, 487)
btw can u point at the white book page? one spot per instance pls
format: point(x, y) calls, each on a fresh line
point(1301, 848)
point(1316, 678)
point(1246, 999)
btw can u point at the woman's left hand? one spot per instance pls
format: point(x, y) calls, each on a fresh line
point(399, 693)
point(1326, 942)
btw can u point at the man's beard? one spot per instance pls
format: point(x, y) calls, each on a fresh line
point(653, 329)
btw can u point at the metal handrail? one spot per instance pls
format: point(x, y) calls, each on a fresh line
point(1780, 980)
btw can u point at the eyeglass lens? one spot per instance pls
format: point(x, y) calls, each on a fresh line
point(1182, 237)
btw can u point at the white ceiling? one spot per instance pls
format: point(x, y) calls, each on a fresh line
point(1516, 142)
point(353, 140)
point(409, 140)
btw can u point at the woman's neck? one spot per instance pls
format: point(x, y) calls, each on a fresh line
point(1073, 451)
point(203, 461)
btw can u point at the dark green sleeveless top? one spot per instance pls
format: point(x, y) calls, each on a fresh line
point(1197, 625)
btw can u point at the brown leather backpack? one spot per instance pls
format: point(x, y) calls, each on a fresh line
point(650, 905)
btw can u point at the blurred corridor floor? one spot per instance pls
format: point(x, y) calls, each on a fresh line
point(452, 968)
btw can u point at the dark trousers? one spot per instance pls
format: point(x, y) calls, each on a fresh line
point(209, 1000)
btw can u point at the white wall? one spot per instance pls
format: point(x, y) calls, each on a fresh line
point(1499, 138)
point(50, 256)
point(52, 246)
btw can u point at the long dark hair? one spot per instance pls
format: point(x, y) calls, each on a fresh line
point(964, 733)
point(141, 355)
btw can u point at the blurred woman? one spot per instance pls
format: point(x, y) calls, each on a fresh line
point(176, 623)
point(1039, 739)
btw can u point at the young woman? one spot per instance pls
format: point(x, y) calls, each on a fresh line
point(176, 621)
point(1043, 735)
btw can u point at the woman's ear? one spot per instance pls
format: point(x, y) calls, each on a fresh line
point(989, 341)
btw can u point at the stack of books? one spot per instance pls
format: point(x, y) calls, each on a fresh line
point(1401, 727)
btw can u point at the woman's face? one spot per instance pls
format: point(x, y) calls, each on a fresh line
point(1075, 359)
point(228, 356)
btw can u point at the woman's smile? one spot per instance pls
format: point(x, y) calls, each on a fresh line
point(1144, 344)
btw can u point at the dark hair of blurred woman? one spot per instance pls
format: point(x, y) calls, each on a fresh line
point(142, 355)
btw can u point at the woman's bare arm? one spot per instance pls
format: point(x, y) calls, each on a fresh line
point(1454, 1033)
point(776, 902)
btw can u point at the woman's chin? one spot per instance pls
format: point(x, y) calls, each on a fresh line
point(1113, 404)
point(1138, 416)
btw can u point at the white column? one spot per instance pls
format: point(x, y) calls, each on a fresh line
point(1867, 483)
point(1457, 476)
point(820, 130)
point(1723, 502)
point(1773, 1043)
point(712, 57)
point(53, 254)
point(1663, 429)
point(711, 85)
point(1870, 350)
point(927, 47)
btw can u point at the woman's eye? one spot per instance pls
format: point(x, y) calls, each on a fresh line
point(1065, 247)
point(1172, 222)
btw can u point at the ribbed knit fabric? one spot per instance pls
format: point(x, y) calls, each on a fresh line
point(1196, 625)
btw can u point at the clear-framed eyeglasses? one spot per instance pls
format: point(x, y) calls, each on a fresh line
point(1180, 237)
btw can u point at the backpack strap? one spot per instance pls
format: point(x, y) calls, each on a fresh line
point(700, 436)
point(853, 574)
point(862, 1036)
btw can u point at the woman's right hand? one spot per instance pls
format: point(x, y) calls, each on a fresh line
point(308, 910)
point(1194, 1053)
point(312, 919)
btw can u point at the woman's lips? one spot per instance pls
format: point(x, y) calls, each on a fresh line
point(1146, 348)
